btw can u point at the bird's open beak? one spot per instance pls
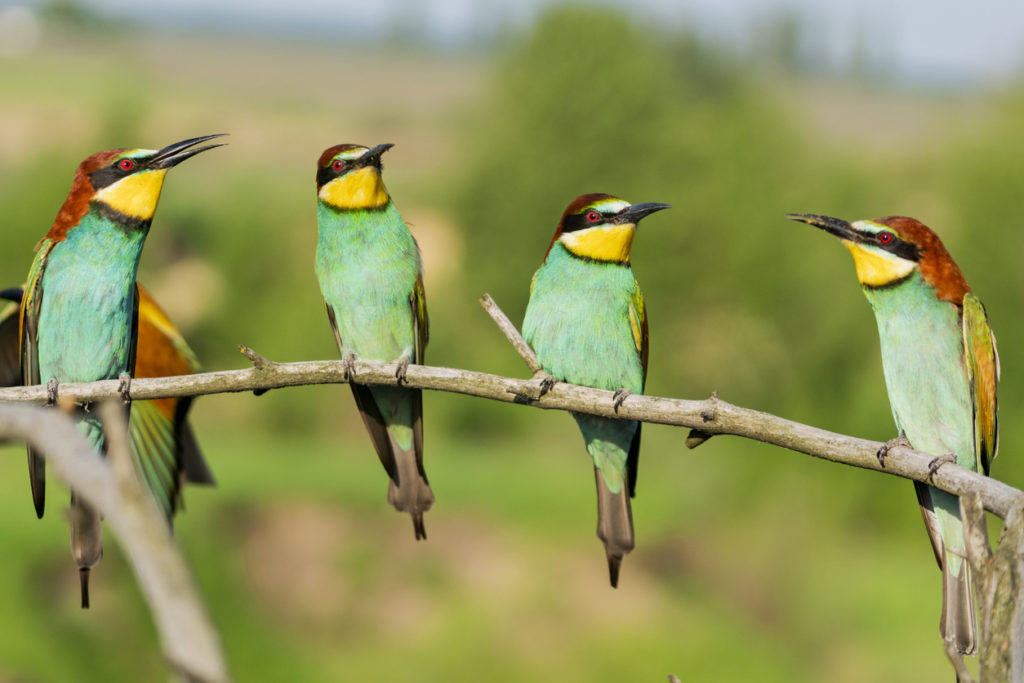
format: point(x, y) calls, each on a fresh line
point(835, 226)
point(372, 158)
point(174, 154)
point(634, 213)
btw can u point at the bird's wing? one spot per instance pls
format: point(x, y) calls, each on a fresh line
point(983, 370)
point(10, 362)
point(165, 449)
point(421, 334)
point(638, 325)
point(31, 304)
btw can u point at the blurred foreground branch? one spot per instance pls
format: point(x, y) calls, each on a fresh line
point(188, 638)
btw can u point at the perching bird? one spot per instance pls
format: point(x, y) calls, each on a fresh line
point(369, 269)
point(941, 368)
point(587, 324)
point(164, 449)
point(79, 312)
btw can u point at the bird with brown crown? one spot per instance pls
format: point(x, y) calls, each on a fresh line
point(587, 323)
point(941, 367)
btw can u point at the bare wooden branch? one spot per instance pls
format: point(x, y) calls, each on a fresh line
point(711, 416)
point(511, 333)
point(187, 636)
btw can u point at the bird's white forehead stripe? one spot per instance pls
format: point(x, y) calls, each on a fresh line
point(869, 226)
point(610, 205)
point(352, 154)
point(136, 153)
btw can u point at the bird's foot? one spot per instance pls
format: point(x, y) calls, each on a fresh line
point(403, 365)
point(547, 383)
point(620, 397)
point(51, 391)
point(124, 387)
point(935, 463)
point(349, 365)
point(883, 451)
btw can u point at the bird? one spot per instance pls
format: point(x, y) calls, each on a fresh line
point(371, 277)
point(587, 323)
point(164, 447)
point(79, 311)
point(941, 369)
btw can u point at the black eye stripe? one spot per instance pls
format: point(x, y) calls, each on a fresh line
point(579, 221)
point(898, 247)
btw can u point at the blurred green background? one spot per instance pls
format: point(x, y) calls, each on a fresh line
point(752, 563)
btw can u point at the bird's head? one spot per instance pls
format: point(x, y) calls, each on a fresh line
point(889, 250)
point(600, 227)
point(126, 183)
point(348, 177)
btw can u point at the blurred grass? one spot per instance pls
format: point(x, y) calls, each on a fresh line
point(752, 563)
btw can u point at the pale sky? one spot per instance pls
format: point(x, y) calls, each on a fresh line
point(929, 41)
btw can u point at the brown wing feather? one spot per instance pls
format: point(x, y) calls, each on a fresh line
point(983, 364)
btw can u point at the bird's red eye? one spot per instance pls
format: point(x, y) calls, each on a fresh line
point(885, 237)
point(593, 216)
point(337, 164)
point(126, 164)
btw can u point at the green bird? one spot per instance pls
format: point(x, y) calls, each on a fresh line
point(941, 368)
point(371, 277)
point(587, 323)
point(164, 447)
point(79, 312)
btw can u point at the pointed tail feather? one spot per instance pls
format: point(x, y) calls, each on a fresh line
point(614, 524)
point(412, 493)
point(86, 541)
point(37, 479)
point(958, 624)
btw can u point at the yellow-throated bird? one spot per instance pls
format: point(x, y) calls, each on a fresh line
point(941, 367)
point(369, 269)
point(78, 315)
point(587, 323)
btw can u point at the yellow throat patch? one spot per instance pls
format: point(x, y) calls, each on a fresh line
point(606, 243)
point(876, 269)
point(136, 195)
point(361, 189)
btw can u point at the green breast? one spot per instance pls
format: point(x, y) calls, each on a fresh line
point(923, 360)
point(367, 264)
point(577, 322)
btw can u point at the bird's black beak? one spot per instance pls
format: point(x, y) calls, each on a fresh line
point(835, 226)
point(174, 154)
point(372, 158)
point(633, 214)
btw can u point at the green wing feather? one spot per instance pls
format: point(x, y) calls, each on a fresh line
point(638, 323)
point(31, 303)
point(983, 370)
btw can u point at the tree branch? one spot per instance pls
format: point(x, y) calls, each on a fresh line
point(187, 636)
point(711, 416)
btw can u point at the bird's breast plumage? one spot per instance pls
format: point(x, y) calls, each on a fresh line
point(85, 322)
point(578, 322)
point(367, 264)
point(923, 361)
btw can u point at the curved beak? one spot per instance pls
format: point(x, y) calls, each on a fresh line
point(373, 156)
point(174, 154)
point(633, 214)
point(835, 226)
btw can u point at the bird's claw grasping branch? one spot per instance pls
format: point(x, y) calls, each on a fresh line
point(51, 391)
point(620, 397)
point(124, 387)
point(937, 462)
point(349, 365)
point(400, 371)
point(883, 450)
